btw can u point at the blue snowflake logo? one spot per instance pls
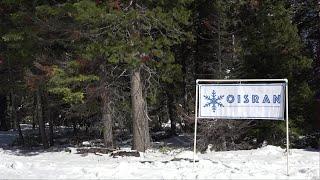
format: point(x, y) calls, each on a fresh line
point(213, 101)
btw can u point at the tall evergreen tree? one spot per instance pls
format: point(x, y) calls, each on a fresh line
point(307, 18)
point(135, 33)
point(214, 45)
point(271, 48)
point(16, 49)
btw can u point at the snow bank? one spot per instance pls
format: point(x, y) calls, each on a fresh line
point(265, 163)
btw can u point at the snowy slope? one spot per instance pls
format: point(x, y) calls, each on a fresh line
point(264, 163)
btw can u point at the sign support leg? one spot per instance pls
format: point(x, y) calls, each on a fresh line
point(195, 125)
point(287, 126)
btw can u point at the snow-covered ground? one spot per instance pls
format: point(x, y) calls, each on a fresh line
point(265, 163)
point(165, 163)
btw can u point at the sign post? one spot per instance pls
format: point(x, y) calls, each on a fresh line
point(265, 99)
point(195, 126)
point(287, 124)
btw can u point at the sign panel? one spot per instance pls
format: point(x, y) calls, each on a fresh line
point(242, 101)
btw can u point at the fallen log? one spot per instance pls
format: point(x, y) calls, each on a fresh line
point(94, 150)
point(125, 153)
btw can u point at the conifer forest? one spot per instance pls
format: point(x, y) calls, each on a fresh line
point(117, 72)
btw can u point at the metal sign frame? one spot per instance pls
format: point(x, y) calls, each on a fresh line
point(198, 81)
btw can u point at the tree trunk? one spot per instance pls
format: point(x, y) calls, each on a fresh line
point(219, 46)
point(3, 107)
point(318, 47)
point(47, 111)
point(13, 112)
point(15, 116)
point(51, 133)
point(172, 110)
point(19, 128)
point(74, 125)
point(41, 122)
point(34, 116)
point(107, 119)
point(185, 63)
point(141, 137)
point(185, 90)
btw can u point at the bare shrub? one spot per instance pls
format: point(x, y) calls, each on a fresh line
point(223, 135)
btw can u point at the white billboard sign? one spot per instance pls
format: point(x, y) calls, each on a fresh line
point(242, 101)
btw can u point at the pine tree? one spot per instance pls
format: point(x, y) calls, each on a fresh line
point(214, 45)
point(307, 18)
point(138, 33)
point(271, 48)
point(16, 54)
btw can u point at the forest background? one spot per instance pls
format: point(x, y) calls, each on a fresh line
point(122, 69)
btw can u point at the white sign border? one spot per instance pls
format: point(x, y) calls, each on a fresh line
point(283, 84)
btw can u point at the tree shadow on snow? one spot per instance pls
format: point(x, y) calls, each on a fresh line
point(23, 151)
point(10, 142)
point(184, 141)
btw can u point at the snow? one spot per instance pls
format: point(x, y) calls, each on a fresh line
point(268, 162)
point(265, 163)
point(187, 155)
point(86, 143)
